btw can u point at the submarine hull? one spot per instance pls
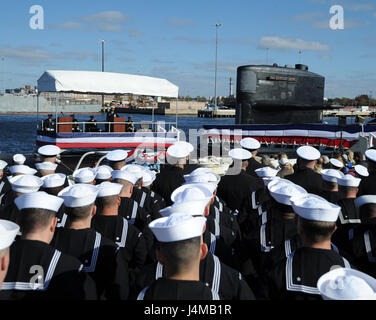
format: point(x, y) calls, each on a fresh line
point(279, 95)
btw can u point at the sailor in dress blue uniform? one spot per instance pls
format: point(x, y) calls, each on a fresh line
point(21, 184)
point(129, 209)
point(236, 187)
point(4, 183)
point(195, 199)
point(8, 232)
point(100, 256)
point(172, 173)
point(295, 277)
point(38, 271)
point(117, 158)
point(113, 226)
point(53, 184)
point(180, 249)
point(252, 145)
point(349, 216)
point(368, 184)
point(304, 175)
point(45, 168)
point(362, 243)
point(330, 185)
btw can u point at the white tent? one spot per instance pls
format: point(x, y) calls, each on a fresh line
point(105, 83)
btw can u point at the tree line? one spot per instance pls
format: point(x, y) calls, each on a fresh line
point(362, 100)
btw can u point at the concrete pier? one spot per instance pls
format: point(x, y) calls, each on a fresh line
point(219, 113)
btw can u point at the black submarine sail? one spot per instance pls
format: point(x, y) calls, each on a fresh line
point(279, 95)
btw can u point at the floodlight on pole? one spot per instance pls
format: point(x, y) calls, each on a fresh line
point(102, 41)
point(216, 63)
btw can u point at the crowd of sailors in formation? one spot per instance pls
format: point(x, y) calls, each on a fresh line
point(123, 232)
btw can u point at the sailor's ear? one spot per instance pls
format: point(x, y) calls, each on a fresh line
point(118, 202)
point(203, 251)
point(94, 210)
point(159, 256)
point(207, 210)
point(53, 224)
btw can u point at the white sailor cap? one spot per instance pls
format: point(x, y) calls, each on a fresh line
point(3, 164)
point(49, 151)
point(336, 163)
point(22, 169)
point(79, 195)
point(180, 150)
point(106, 189)
point(124, 175)
point(185, 144)
point(346, 284)
point(192, 207)
point(148, 177)
point(202, 177)
point(371, 155)
point(192, 192)
point(47, 165)
point(331, 175)
point(282, 191)
point(369, 198)
point(361, 170)
point(250, 144)
point(53, 180)
point(19, 158)
point(308, 153)
point(240, 154)
point(84, 175)
point(269, 180)
point(283, 161)
point(103, 172)
point(135, 169)
point(349, 181)
point(25, 183)
point(117, 155)
point(39, 200)
point(177, 227)
point(210, 174)
point(316, 208)
point(8, 232)
point(266, 172)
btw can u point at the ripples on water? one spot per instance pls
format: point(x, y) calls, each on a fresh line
point(18, 132)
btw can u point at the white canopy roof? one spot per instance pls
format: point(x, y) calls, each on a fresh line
point(105, 83)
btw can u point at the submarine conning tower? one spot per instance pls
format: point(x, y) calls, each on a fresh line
point(278, 95)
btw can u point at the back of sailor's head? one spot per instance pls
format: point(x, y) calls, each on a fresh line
point(37, 211)
point(317, 217)
point(116, 158)
point(108, 194)
point(179, 239)
point(366, 205)
point(127, 179)
point(79, 200)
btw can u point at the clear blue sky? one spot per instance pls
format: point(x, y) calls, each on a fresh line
point(176, 40)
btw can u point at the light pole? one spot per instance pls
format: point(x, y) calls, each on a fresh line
point(3, 73)
point(216, 63)
point(102, 69)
